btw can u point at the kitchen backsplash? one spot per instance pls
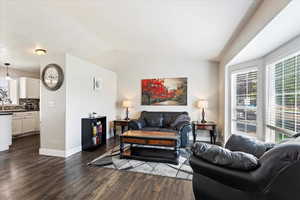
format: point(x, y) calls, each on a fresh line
point(30, 104)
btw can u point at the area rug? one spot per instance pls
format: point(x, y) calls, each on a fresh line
point(111, 159)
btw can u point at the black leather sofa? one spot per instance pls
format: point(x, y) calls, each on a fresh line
point(178, 122)
point(276, 177)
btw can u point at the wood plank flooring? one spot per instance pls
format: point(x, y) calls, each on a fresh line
point(25, 175)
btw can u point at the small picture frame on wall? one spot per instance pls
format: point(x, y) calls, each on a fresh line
point(97, 84)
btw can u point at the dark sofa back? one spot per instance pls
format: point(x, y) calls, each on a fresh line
point(160, 119)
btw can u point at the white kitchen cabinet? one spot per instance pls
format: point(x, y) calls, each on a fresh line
point(29, 88)
point(17, 123)
point(24, 122)
point(5, 131)
point(29, 122)
point(37, 121)
point(28, 125)
point(16, 126)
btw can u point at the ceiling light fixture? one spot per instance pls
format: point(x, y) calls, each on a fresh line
point(7, 74)
point(40, 52)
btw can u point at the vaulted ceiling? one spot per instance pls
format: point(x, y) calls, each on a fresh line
point(100, 30)
point(282, 28)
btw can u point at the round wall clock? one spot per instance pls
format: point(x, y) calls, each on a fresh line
point(52, 77)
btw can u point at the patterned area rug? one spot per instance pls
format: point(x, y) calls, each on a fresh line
point(112, 160)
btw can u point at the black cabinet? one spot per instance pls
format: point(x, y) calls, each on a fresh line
point(93, 132)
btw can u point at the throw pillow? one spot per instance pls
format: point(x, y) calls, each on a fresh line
point(224, 157)
point(179, 119)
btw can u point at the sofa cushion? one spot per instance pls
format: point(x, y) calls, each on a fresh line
point(224, 157)
point(246, 144)
point(136, 124)
point(153, 119)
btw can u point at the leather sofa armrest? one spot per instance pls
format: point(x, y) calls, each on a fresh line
point(276, 162)
point(181, 125)
point(269, 146)
point(136, 124)
point(241, 180)
point(183, 128)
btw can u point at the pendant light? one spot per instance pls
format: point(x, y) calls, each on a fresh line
point(7, 74)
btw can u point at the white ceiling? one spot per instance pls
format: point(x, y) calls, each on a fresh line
point(284, 27)
point(100, 30)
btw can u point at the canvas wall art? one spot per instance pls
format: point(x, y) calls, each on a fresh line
point(164, 91)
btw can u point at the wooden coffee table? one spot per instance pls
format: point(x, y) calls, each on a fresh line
point(144, 145)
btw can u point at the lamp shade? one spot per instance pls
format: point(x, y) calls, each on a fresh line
point(126, 103)
point(202, 103)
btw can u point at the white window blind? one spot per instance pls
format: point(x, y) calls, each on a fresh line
point(284, 96)
point(244, 102)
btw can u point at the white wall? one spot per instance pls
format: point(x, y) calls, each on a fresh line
point(291, 47)
point(81, 99)
point(62, 110)
point(52, 111)
point(265, 13)
point(202, 83)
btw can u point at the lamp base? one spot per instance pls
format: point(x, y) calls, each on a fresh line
point(203, 116)
point(127, 113)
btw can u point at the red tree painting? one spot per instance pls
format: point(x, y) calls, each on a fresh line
point(166, 91)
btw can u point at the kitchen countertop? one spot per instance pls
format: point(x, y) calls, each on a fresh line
point(25, 111)
point(6, 113)
point(14, 111)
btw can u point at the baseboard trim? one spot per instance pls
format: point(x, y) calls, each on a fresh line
point(4, 147)
point(73, 151)
point(59, 153)
point(52, 152)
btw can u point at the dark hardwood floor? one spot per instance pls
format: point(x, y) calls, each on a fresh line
point(24, 174)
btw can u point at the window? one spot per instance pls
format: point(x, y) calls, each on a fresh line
point(8, 91)
point(244, 102)
point(284, 98)
point(4, 91)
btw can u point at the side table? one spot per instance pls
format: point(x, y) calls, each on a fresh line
point(210, 126)
point(121, 122)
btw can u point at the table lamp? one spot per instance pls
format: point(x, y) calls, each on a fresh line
point(126, 104)
point(202, 104)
